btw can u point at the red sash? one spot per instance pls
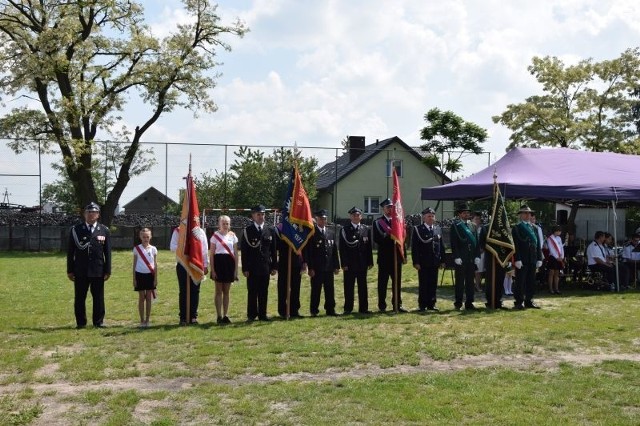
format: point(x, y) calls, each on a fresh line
point(145, 260)
point(555, 246)
point(224, 244)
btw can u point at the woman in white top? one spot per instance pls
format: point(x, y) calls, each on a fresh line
point(224, 265)
point(555, 262)
point(145, 277)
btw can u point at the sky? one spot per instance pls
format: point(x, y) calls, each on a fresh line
point(312, 72)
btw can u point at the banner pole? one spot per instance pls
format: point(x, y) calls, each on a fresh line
point(188, 299)
point(289, 285)
point(395, 283)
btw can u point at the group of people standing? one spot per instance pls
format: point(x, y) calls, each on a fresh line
point(264, 253)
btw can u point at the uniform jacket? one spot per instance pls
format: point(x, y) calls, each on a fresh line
point(525, 239)
point(321, 252)
point(427, 247)
point(464, 244)
point(258, 250)
point(89, 254)
point(356, 251)
point(383, 240)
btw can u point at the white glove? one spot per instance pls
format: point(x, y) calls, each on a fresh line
point(477, 261)
point(457, 261)
point(518, 264)
point(538, 263)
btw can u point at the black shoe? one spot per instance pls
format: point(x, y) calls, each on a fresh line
point(457, 306)
point(365, 312)
point(470, 307)
point(383, 310)
point(251, 319)
point(219, 320)
point(558, 292)
point(297, 315)
point(100, 326)
point(80, 327)
point(433, 308)
point(226, 320)
point(314, 314)
point(346, 313)
point(183, 323)
point(264, 318)
point(422, 309)
point(333, 314)
point(403, 310)
point(531, 305)
point(518, 307)
point(194, 322)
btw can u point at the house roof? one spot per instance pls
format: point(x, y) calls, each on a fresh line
point(327, 173)
point(150, 192)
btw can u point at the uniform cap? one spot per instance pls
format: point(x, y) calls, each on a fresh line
point(258, 209)
point(525, 209)
point(428, 210)
point(92, 207)
point(462, 207)
point(354, 210)
point(321, 213)
point(385, 202)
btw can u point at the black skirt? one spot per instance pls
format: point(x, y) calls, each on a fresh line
point(554, 264)
point(144, 282)
point(224, 267)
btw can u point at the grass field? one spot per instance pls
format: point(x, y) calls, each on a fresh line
point(576, 361)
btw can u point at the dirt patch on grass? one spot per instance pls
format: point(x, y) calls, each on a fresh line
point(54, 397)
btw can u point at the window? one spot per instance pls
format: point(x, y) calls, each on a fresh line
point(397, 164)
point(371, 205)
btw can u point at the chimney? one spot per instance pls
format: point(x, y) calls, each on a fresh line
point(356, 147)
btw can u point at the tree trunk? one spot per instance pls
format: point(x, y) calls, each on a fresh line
point(571, 220)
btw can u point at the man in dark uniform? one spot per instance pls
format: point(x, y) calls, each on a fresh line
point(298, 266)
point(89, 264)
point(388, 252)
point(427, 254)
point(528, 258)
point(259, 259)
point(464, 248)
point(321, 255)
point(356, 257)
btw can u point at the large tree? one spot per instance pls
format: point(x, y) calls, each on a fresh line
point(448, 138)
point(589, 105)
point(256, 178)
point(83, 60)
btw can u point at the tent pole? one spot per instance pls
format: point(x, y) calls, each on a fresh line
point(615, 238)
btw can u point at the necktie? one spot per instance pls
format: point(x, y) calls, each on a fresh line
point(90, 228)
point(259, 228)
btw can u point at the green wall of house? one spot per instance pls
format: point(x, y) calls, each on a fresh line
point(370, 180)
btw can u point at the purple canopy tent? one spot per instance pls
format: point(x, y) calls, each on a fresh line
point(559, 174)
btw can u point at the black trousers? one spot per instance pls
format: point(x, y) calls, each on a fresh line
point(464, 284)
point(294, 299)
point(257, 296)
point(427, 285)
point(386, 271)
point(350, 279)
point(494, 283)
point(81, 286)
point(524, 284)
point(194, 295)
point(322, 279)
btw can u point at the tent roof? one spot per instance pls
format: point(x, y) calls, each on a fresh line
point(559, 174)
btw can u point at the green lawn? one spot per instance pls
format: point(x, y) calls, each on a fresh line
point(573, 362)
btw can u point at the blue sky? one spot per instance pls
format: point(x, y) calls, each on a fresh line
point(312, 72)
